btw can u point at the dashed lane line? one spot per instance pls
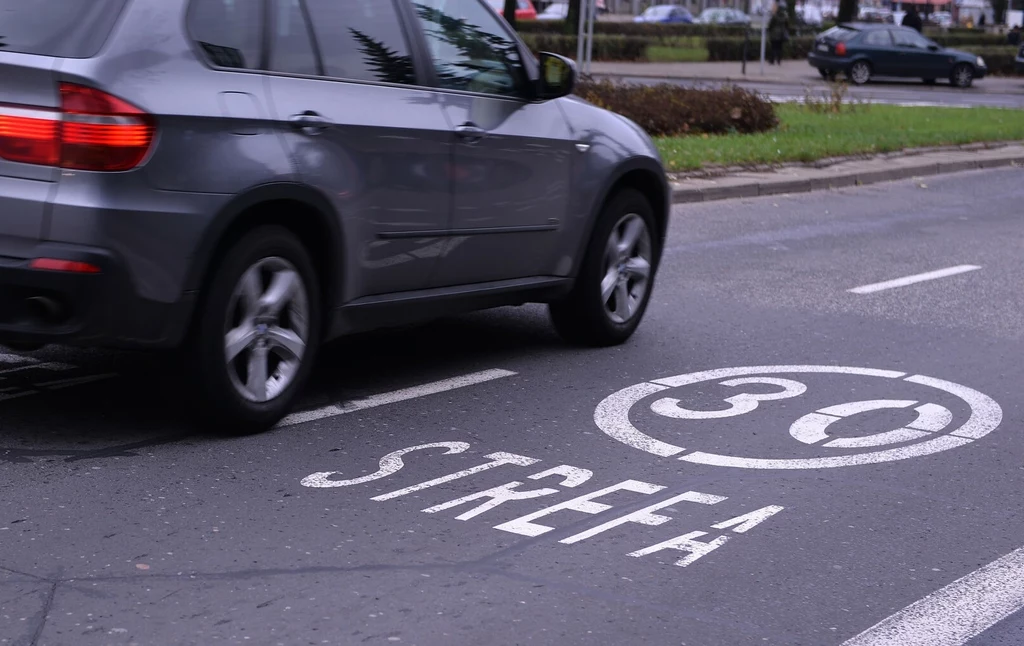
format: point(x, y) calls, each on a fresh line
point(404, 394)
point(911, 280)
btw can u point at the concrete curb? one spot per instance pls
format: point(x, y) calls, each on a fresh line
point(735, 186)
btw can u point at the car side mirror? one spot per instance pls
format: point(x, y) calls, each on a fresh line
point(933, 47)
point(557, 76)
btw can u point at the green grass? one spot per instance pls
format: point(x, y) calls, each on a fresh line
point(805, 136)
point(665, 54)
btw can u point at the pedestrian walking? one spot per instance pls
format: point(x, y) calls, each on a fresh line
point(913, 19)
point(778, 32)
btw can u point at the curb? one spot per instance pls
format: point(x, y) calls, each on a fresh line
point(781, 186)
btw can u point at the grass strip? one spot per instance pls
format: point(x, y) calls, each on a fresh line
point(804, 135)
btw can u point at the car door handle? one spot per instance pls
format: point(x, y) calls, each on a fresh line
point(309, 122)
point(470, 133)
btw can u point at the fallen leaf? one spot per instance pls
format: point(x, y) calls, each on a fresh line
point(142, 566)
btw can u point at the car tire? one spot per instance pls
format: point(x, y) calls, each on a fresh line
point(263, 306)
point(615, 281)
point(962, 76)
point(860, 73)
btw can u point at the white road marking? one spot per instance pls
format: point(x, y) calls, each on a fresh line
point(911, 280)
point(394, 397)
point(956, 613)
point(612, 417)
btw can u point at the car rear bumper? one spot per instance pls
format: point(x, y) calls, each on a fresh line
point(827, 61)
point(101, 308)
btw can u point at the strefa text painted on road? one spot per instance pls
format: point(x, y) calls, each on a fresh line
point(690, 546)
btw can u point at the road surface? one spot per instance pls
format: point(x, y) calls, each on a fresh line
point(814, 438)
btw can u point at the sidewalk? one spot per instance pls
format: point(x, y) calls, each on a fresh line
point(807, 178)
point(790, 72)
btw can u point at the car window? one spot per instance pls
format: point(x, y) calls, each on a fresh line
point(909, 38)
point(361, 40)
point(65, 28)
point(229, 32)
point(839, 34)
point(470, 48)
point(878, 38)
point(291, 46)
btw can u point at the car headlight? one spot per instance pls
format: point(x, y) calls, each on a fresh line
point(980, 62)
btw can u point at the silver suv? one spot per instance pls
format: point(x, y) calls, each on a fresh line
point(246, 179)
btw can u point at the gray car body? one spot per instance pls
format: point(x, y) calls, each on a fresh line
point(395, 238)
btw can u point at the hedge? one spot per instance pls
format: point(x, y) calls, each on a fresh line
point(648, 30)
point(731, 49)
point(1000, 60)
point(606, 48)
point(670, 110)
point(980, 39)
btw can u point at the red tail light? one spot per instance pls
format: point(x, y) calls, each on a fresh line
point(70, 266)
point(841, 49)
point(92, 131)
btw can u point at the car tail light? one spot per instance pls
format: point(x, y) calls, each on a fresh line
point(841, 49)
point(92, 131)
point(70, 266)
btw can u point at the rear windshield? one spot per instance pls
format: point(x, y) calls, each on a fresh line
point(64, 28)
point(840, 34)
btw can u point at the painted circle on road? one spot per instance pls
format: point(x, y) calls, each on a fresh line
point(929, 433)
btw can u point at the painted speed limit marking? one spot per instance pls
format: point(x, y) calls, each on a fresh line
point(932, 431)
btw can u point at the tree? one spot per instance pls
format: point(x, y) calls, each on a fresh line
point(572, 18)
point(999, 8)
point(510, 12)
point(848, 10)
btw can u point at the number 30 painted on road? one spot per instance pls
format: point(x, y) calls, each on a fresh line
point(933, 430)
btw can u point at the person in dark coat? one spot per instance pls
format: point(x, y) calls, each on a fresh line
point(778, 33)
point(913, 19)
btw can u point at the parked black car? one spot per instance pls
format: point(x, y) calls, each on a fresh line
point(862, 51)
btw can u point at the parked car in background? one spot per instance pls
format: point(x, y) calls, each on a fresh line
point(524, 9)
point(665, 13)
point(942, 19)
point(557, 11)
point(182, 174)
point(875, 15)
point(862, 51)
point(723, 16)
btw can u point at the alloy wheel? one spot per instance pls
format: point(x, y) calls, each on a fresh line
point(267, 329)
point(627, 268)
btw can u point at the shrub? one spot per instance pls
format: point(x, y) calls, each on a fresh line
point(606, 48)
point(731, 49)
point(1000, 60)
point(647, 30)
point(668, 110)
point(980, 39)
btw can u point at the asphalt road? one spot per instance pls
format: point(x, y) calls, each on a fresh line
point(716, 509)
point(885, 91)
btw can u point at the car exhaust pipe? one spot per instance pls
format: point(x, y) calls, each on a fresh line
point(45, 309)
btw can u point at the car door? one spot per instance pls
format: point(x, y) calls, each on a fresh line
point(913, 58)
point(363, 130)
point(513, 158)
point(878, 46)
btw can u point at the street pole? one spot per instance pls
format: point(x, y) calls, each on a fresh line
point(590, 34)
point(579, 34)
point(764, 31)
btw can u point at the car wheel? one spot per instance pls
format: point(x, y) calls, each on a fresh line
point(860, 73)
point(257, 333)
point(616, 278)
point(824, 73)
point(962, 76)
